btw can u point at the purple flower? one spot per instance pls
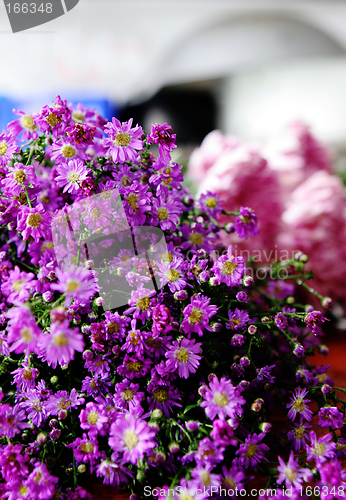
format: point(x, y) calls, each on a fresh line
point(75, 282)
point(223, 399)
point(163, 136)
point(12, 420)
point(233, 478)
point(34, 404)
point(85, 449)
point(172, 273)
point(314, 319)
point(211, 204)
point(168, 174)
point(25, 124)
point(252, 451)
point(65, 149)
point(59, 345)
point(298, 405)
point(140, 303)
point(94, 419)
point(35, 222)
point(71, 175)
point(197, 237)
point(222, 433)
point(332, 480)
point(184, 357)
point(13, 463)
point(264, 374)
point(246, 223)
point(281, 321)
point(197, 315)
point(18, 286)
point(291, 473)
point(127, 395)
point(237, 319)
point(167, 211)
point(23, 332)
point(54, 119)
point(163, 397)
point(8, 147)
point(330, 417)
point(137, 200)
point(320, 449)
point(132, 437)
point(203, 478)
point(40, 483)
point(63, 401)
point(25, 377)
point(18, 176)
point(113, 473)
point(229, 269)
point(124, 142)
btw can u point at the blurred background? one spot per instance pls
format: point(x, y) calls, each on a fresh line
point(269, 75)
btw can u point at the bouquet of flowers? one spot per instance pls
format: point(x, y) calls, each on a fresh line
point(134, 346)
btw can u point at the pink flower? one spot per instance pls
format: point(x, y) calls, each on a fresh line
point(76, 282)
point(23, 332)
point(184, 357)
point(26, 124)
point(59, 345)
point(34, 222)
point(71, 175)
point(222, 399)
point(18, 176)
point(18, 285)
point(124, 142)
point(8, 147)
point(197, 315)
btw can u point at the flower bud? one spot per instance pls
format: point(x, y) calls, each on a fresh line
point(290, 300)
point(237, 340)
point(304, 258)
point(243, 385)
point(214, 281)
point(99, 301)
point(54, 379)
point(298, 350)
point(248, 280)
point(81, 468)
point(216, 327)
point(41, 438)
point(192, 425)
point(47, 296)
point(252, 329)
point(230, 227)
point(87, 355)
point(55, 434)
point(174, 447)
point(157, 413)
point(181, 295)
point(323, 349)
point(327, 302)
point(244, 362)
point(69, 471)
point(154, 426)
point(86, 328)
point(52, 275)
point(53, 424)
point(265, 319)
point(326, 389)
point(201, 253)
point(265, 427)
point(89, 264)
point(58, 315)
point(62, 414)
point(242, 297)
point(257, 405)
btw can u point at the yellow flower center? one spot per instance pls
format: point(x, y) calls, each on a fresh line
point(27, 121)
point(251, 450)
point(130, 439)
point(71, 285)
point(48, 244)
point(229, 483)
point(234, 322)
point(45, 199)
point(220, 399)
point(27, 374)
point(134, 366)
point(245, 220)
point(34, 220)
point(113, 327)
point(320, 448)
point(127, 395)
point(64, 404)
point(196, 316)
point(38, 477)
point(61, 340)
point(162, 213)
point(290, 474)
point(299, 404)
point(78, 116)
point(299, 432)
point(132, 199)
point(211, 202)
point(322, 377)
point(167, 257)
point(125, 181)
point(228, 267)
point(196, 239)
point(143, 303)
point(3, 148)
point(52, 119)
point(23, 490)
point(160, 394)
point(107, 194)
point(95, 213)
point(182, 355)
point(205, 478)
point(73, 176)
point(19, 176)
point(133, 339)
point(68, 151)
point(122, 139)
point(167, 181)
point(93, 417)
point(86, 447)
point(172, 275)
point(26, 334)
point(18, 285)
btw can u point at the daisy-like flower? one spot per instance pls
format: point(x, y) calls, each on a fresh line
point(140, 303)
point(163, 397)
point(197, 315)
point(25, 377)
point(12, 421)
point(299, 434)
point(211, 204)
point(59, 345)
point(34, 404)
point(163, 136)
point(127, 395)
point(246, 223)
point(229, 269)
point(40, 483)
point(330, 417)
point(184, 357)
point(168, 211)
point(137, 203)
point(54, 119)
point(202, 477)
point(233, 478)
point(94, 419)
point(8, 147)
point(35, 222)
point(314, 319)
point(320, 449)
point(222, 399)
point(124, 143)
point(18, 285)
point(99, 215)
point(168, 174)
point(76, 282)
point(24, 124)
point(198, 237)
point(237, 319)
point(172, 273)
point(299, 405)
point(65, 149)
point(291, 473)
point(113, 472)
point(23, 332)
point(17, 177)
point(85, 449)
point(62, 400)
point(252, 451)
point(132, 437)
point(71, 175)
point(124, 177)
point(332, 480)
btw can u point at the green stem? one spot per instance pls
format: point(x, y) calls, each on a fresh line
point(27, 196)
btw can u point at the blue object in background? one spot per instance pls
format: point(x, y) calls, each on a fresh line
point(31, 104)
